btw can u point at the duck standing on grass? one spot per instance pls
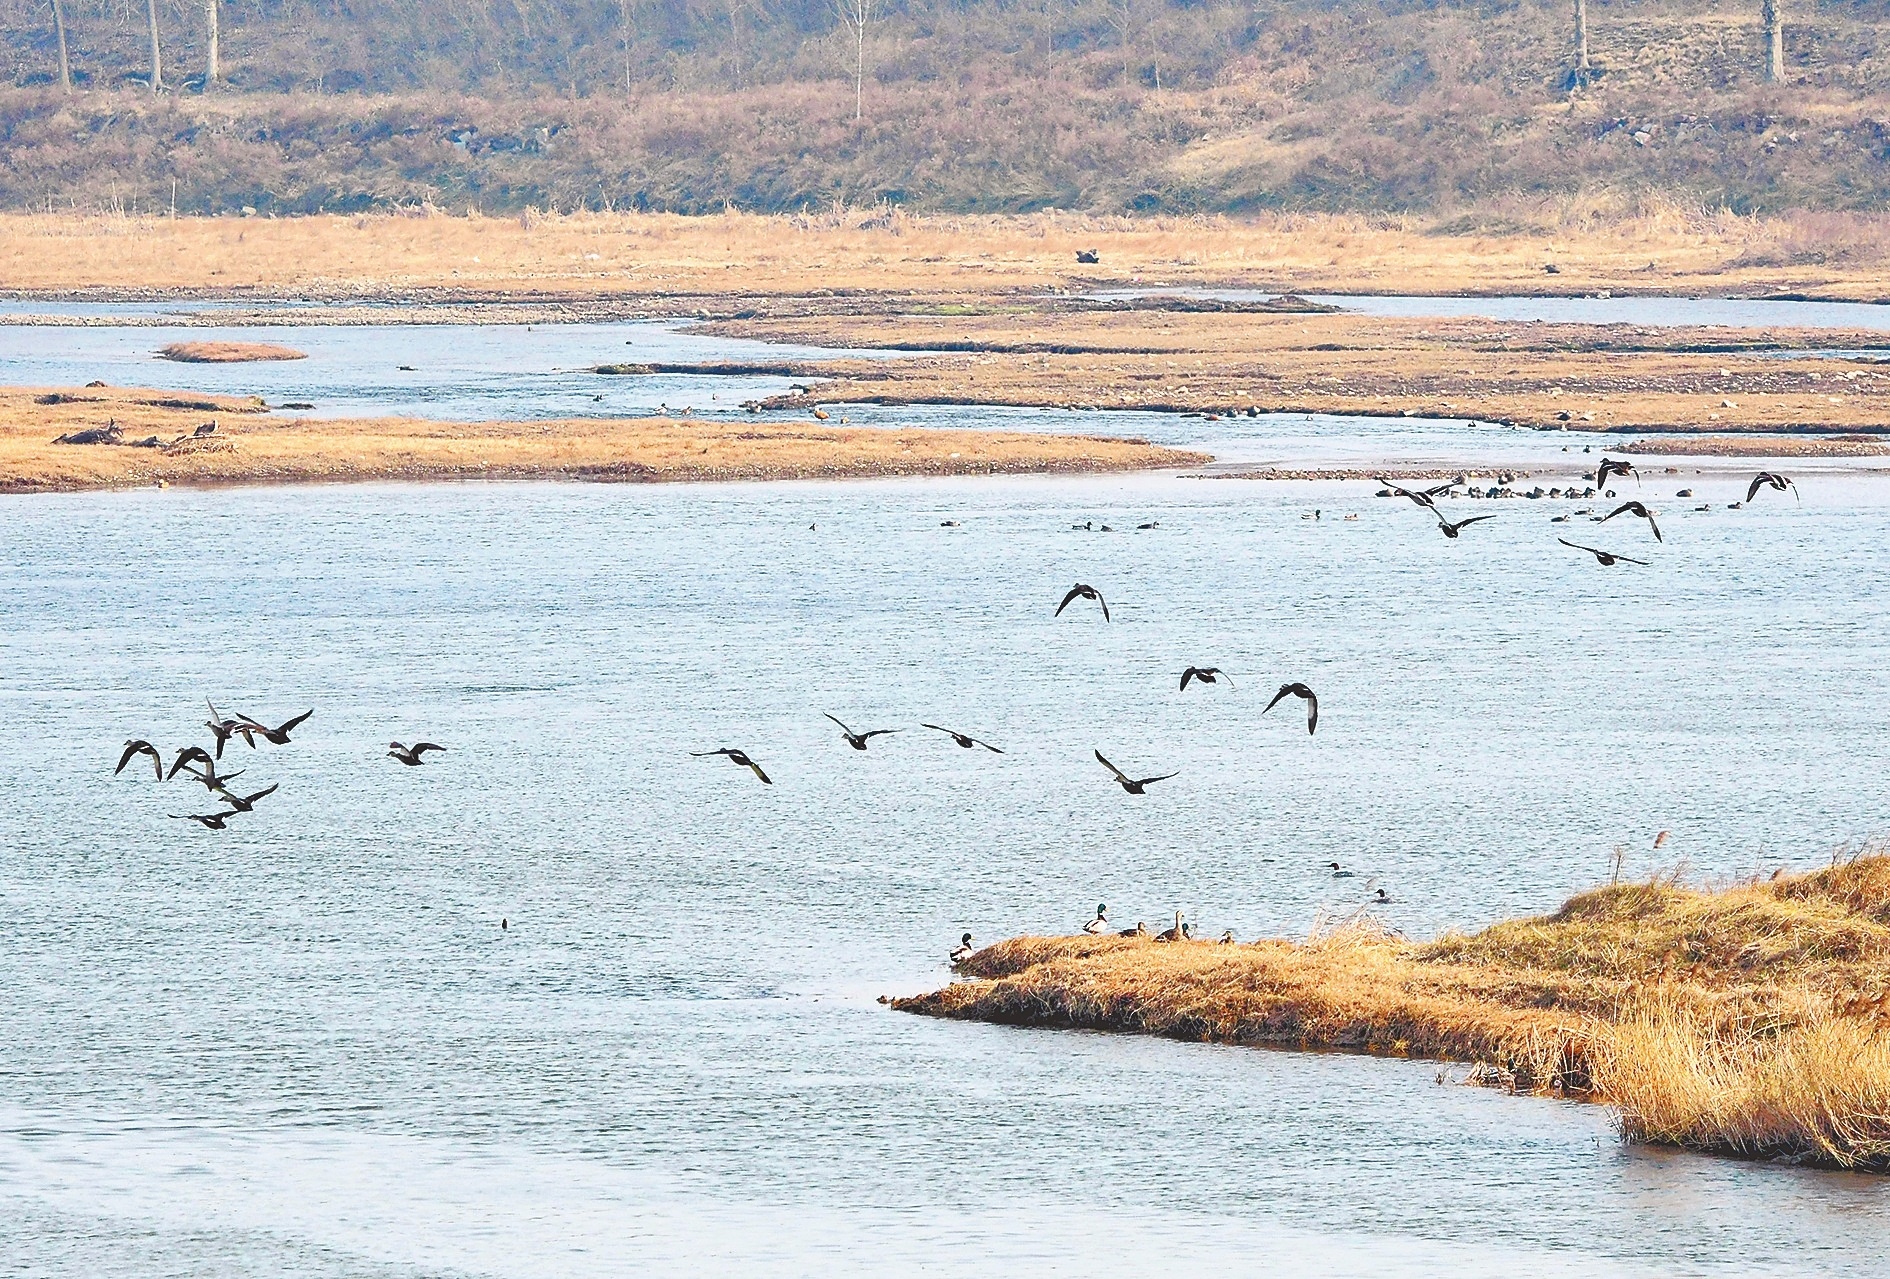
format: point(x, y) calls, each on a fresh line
point(1140, 930)
point(962, 951)
point(1098, 925)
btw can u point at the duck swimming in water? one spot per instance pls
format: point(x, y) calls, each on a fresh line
point(1340, 872)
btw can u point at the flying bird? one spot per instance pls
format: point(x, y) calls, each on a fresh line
point(1610, 467)
point(209, 821)
point(1634, 508)
point(858, 740)
point(1423, 497)
point(1207, 675)
point(1607, 559)
point(736, 757)
point(1100, 924)
point(138, 746)
point(411, 755)
point(192, 755)
point(245, 803)
point(1082, 592)
point(1771, 479)
point(965, 740)
point(211, 779)
point(275, 736)
point(1448, 529)
point(1130, 784)
point(223, 729)
point(962, 951)
point(1299, 690)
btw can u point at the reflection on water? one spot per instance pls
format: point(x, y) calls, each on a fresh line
point(304, 1046)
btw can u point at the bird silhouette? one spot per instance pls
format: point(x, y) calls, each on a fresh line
point(1771, 479)
point(223, 729)
point(138, 746)
point(1301, 691)
point(245, 803)
point(1634, 508)
point(1206, 674)
point(858, 740)
point(411, 756)
point(1083, 592)
point(1448, 529)
point(211, 779)
point(275, 736)
point(1607, 559)
point(209, 821)
point(736, 757)
point(1423, 497)
point(965, 740)
point(1610, 467)
point(1133, 785)
point(192, 755)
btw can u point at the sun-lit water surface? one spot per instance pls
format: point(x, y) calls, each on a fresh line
point(304, 1046)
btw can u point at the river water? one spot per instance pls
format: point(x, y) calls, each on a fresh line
point(305, 1046)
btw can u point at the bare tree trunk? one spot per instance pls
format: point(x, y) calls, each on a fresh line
point(59, 30)
point(1581, 42)
point(210, 68)
point(157, 63)
point(735, 37)
point(624, 5)
point(855, 15)
point(1770, 10)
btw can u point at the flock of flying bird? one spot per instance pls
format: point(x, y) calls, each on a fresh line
point(1427, 498)
point(200, 765)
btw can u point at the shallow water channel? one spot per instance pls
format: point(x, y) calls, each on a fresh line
point(304, 1045)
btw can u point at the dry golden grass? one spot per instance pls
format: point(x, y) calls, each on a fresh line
point(250, 446)
point(228, 352)
point(1661, 249)
point(1747, 1020)
point(1574, 377)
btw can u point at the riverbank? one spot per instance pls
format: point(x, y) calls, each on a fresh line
point(1745, 1020)
point(159, 437)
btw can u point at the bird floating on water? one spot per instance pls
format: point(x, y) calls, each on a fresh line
point(736, 757)
point(1298, 690)
point(1083, 591)
point(138, 746)
point(1634, 508)
point(1135, 786)
point(965, 740)
point(1607, 559)
point(411, 755)
point(1340, 872)
point(858, 740)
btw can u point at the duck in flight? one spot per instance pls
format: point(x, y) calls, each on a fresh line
point(1634, 508)
point(962, 951)
point(1100, 924)
point(1135, 786)
point(138, 746)
point(209, 821)
point(965, 740)
point(245, 803)
point(1611, 467)
point(858, 740)
point(1081, 591)
point(411, 755)
point(1448, 529)
point(275, 736)
point(1206, 674)
point(1607, 559)
point(1426, 498)
point(1301, 691)
point(1771, 479)
point(223, 729)
point(736, 757)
